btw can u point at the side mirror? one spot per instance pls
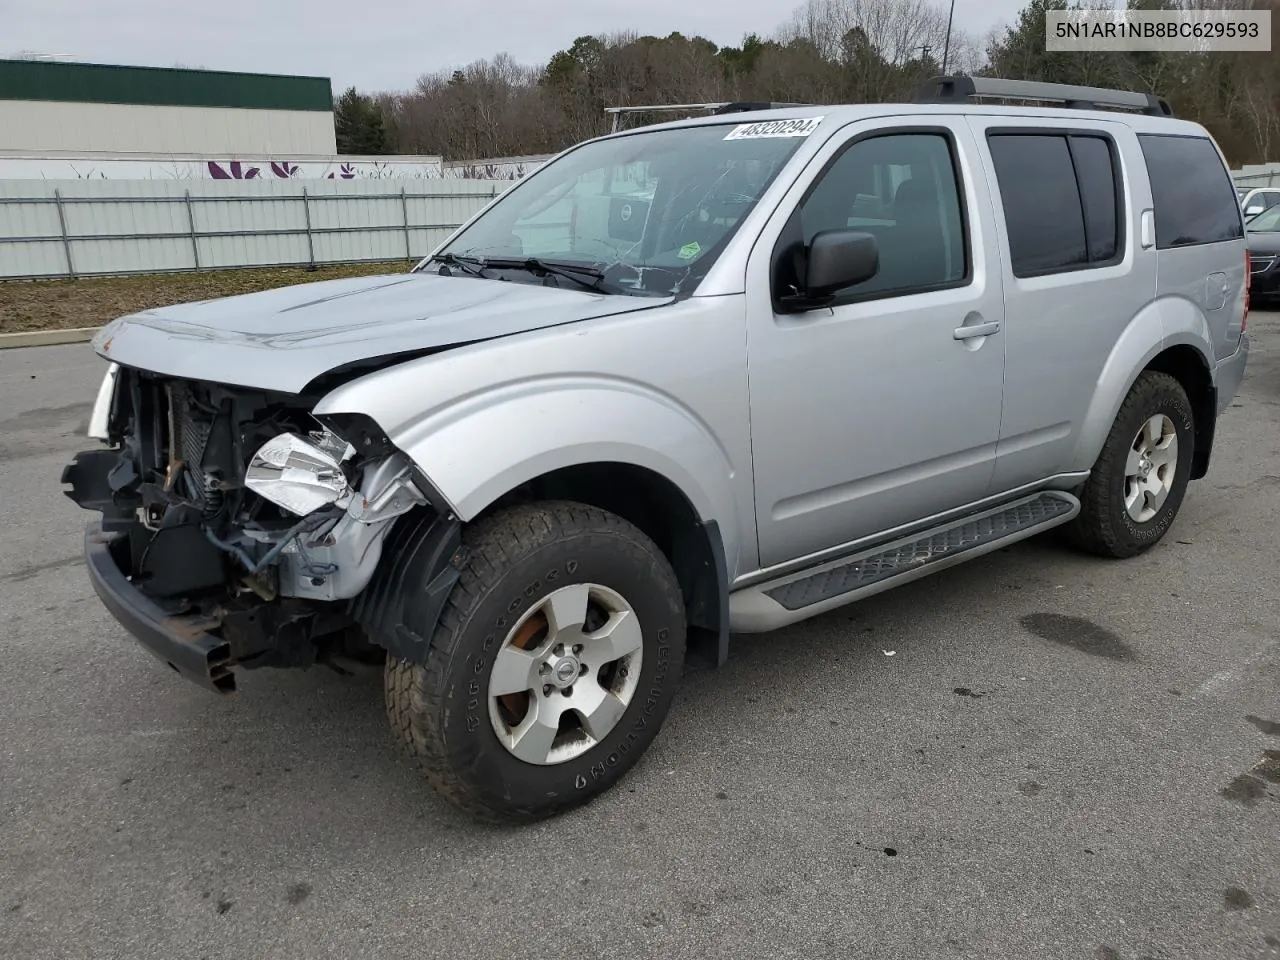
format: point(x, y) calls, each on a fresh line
point(1253, 210)
point(839, 259)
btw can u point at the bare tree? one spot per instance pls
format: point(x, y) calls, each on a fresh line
point(828, 51)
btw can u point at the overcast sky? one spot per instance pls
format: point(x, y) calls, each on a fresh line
point(379, 44)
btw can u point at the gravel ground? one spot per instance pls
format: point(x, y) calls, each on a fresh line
point(1034, 755)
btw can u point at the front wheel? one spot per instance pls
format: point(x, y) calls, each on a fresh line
point(552, 667)
point(1137, 485)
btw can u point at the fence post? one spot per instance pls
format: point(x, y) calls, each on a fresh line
point(404, 210)
point(191, 222)
point(311, 243)
point(66, 240)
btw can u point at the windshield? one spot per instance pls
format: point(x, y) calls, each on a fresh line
point(1266, 222)
point(651, 211)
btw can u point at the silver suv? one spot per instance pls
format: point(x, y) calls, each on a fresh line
point(716, 375)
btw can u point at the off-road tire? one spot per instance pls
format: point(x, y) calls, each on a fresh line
point(439, 709)
point(1103, 526)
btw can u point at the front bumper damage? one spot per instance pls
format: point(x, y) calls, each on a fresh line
point(195, 557)
point(188, 643)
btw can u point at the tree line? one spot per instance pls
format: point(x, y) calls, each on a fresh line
point(829, 51)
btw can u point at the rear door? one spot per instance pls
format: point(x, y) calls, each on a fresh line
point(1074, 273)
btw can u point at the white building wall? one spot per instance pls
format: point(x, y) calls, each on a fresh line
point(38, 125)
point(31, 165)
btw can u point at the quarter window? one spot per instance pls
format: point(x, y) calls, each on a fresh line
point(1191, 190)
point(1061, 198)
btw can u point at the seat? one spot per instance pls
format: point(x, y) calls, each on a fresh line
point(914, 252)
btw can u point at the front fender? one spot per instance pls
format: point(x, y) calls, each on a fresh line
point(480, 446)
point(1161, 325)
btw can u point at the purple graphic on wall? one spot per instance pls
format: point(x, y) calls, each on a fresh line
point(234, 170)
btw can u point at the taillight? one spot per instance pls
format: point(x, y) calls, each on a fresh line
point(1248, 282)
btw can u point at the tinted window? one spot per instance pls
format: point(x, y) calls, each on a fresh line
point(1095, 174)
point(901, 188)
point(1042, 211)
point(1062, 200)
point(1194, 198)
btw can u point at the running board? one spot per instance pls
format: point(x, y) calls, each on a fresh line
point(808, 593)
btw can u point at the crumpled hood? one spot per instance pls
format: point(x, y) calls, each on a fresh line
point(283, 339)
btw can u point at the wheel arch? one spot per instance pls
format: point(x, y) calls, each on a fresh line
point(663, 512)
point(1187, 365)
point(1169, 337)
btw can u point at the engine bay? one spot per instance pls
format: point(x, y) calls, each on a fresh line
point(241, 507)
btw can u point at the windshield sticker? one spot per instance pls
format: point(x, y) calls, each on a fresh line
point(775, 128)
point(689, 251)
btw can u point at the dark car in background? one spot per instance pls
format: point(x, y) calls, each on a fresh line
point(1264, 255)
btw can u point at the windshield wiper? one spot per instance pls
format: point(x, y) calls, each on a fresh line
point(472, 265)
point(581, 274)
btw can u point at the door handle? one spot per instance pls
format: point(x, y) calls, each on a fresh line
point(970, 331)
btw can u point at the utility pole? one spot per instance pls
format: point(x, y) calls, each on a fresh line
point(946, 48)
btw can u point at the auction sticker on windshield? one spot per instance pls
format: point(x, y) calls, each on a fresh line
point(775, 128)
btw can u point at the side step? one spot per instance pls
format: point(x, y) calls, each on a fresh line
point(808, 593)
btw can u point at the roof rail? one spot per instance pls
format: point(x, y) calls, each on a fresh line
point(746, 106)
point(962, 89)
point(740, 106)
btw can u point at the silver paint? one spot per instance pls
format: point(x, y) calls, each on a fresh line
point(799, 435)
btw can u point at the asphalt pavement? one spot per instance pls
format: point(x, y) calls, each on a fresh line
point(1033, 755)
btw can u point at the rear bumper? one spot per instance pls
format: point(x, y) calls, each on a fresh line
point(183, 642)
point(1230, 372)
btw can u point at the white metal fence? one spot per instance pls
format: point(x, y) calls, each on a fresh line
point(83, 228)
point(76, 228)
point(1257, 175)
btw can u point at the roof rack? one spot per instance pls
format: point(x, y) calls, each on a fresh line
point(747, 106)
point(962, 89)
point(736, 106)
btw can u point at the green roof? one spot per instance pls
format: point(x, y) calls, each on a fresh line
point(160, 86)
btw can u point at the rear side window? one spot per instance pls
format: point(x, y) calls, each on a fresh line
point(1195, 200)
point(1061, 198)
point(1096, 176)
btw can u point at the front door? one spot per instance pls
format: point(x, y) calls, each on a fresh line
point(883, 409)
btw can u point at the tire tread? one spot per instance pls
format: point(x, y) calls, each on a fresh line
point(1095, 529)
point(415, 691)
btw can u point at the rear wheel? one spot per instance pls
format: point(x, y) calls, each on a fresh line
point(552, 667)
point(1136, 487)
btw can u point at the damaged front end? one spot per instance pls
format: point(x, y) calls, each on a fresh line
point(237, 529)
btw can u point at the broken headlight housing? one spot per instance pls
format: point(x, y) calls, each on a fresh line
point(301, 476)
